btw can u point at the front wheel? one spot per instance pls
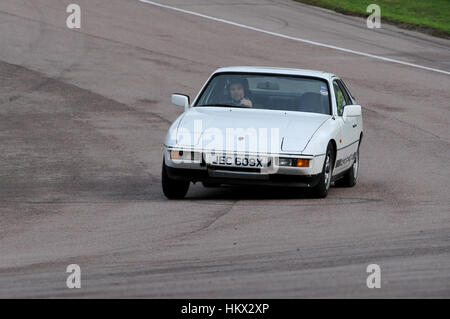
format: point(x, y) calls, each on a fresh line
point(350, 177)
point(321, 189)
point(173, 189)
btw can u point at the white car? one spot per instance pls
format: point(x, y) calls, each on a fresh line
point(264, 126)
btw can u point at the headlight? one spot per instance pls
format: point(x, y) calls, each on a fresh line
point(185, 156)
point(295, 162)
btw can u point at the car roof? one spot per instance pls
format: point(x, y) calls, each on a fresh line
point(275, 70)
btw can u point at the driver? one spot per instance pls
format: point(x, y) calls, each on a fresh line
point(237, 93)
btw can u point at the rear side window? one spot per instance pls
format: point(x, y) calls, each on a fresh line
point(345, 87)
point(341, 101)
point(347, 98)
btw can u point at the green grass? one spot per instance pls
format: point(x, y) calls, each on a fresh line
point(430, 16)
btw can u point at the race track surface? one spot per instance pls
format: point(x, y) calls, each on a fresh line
point(83, 115)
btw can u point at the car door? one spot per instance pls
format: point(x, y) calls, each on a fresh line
point(348, 144)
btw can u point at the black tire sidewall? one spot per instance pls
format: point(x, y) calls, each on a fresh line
point(351, 178)
point(322, 188)
point(173, 189)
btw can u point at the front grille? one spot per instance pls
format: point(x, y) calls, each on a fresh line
point(235, 169)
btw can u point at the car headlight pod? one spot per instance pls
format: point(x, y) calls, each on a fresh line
point(185, 156)
point(293, 162)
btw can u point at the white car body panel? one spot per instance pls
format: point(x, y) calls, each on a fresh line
point(231, 119)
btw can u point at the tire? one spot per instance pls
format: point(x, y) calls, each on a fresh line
point(173, 189)
point(210, 185)
point(321, 189)
point(351, 176)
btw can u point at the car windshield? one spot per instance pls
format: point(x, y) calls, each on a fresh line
point(267, 91)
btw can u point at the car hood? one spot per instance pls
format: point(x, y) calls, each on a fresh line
point(252, 130)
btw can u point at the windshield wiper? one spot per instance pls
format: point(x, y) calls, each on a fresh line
point(224, 105)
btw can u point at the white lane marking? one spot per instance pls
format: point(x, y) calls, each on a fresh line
point(294, 38)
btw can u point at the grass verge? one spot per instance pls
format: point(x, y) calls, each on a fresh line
point(432, 16)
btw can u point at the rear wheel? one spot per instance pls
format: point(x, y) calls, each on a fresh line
point(350, 177)
point(321, 189)
point(173, 189)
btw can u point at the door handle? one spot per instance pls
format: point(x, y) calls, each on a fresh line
point(355, 125)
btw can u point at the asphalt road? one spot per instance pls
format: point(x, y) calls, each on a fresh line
point(83, 115)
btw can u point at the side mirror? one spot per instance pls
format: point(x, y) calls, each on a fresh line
point(181, 100)
point(352, 111)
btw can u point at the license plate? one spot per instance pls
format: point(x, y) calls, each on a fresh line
point(237, 160)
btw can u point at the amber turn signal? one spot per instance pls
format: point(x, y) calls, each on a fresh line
point(176, 154)
point(302, 162)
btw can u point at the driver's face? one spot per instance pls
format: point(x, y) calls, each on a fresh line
point(237, 91)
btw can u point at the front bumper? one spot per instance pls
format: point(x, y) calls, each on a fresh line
point(281, 176)
point(222, 177)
